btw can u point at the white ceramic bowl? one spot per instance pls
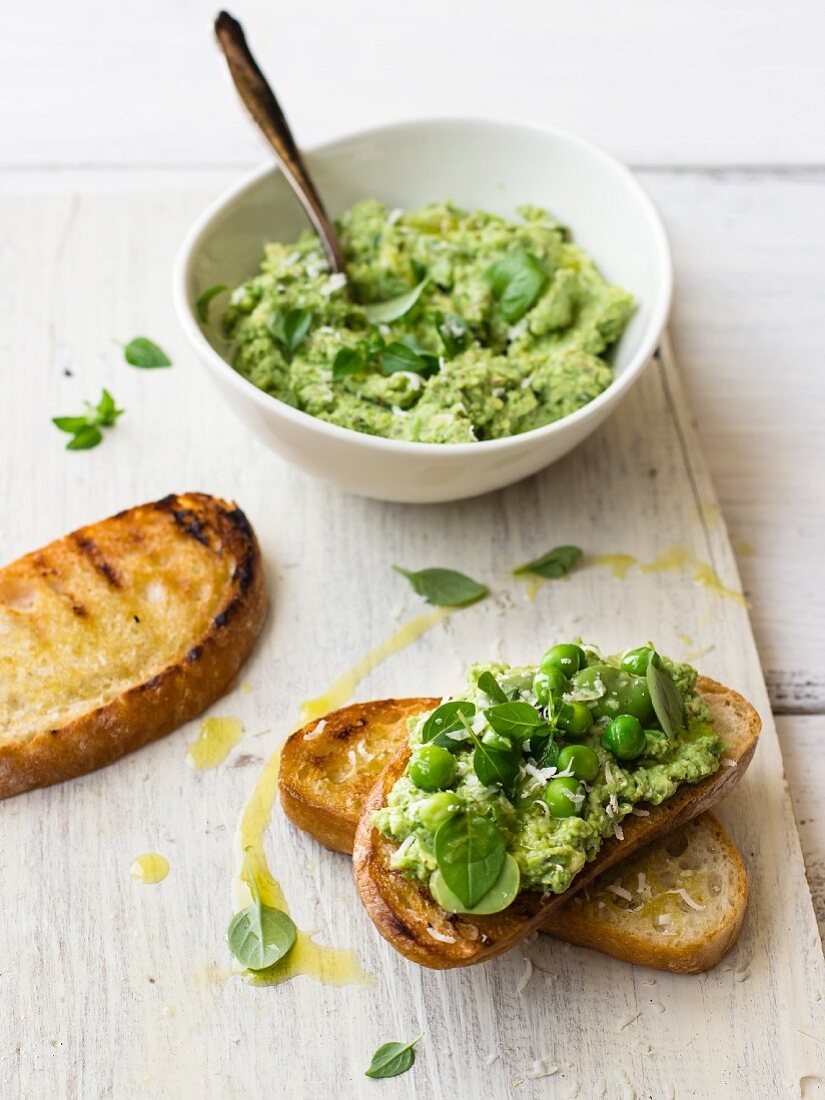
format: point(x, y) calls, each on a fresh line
point(491, 165)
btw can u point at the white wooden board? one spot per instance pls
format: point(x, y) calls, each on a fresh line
point(113, 989)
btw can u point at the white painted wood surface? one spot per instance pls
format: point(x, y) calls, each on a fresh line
point(675, 83)
point(106, 984)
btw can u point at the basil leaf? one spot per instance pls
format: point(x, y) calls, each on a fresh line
point(70, 423)
point(453, 331)
point(514, 719)
point(381, 313)
point(203, 302)
point(346, 362)
point(260, 941)
point(392, 1059)
point(145, 354)
point(83, 440)
point(107, 411)
point(447, 719)
point(469, 851)
point(259, 935)
point(668, 704)
point(399, 356)
point(555, 563)
point(289, 329)
point(444, 587)
point(546, 756)
point(494, 766)
point(490, 686)
point(517, 280)
point(85, 429)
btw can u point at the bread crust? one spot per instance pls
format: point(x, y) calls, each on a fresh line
point(310, 780)
point(173, 694)
point(408, 917)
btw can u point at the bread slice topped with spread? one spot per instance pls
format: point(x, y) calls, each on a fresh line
point(676, 905)
point(518, 792)
point(122, 631)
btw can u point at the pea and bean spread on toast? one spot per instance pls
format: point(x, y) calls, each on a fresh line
point(515, 794)
point(122, 631)
point(676, 904)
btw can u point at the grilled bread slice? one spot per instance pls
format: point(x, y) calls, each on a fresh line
point(121, 631)
point(408, 917)
point(675, 905)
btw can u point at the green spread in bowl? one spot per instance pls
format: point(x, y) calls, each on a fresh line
point(449, 327)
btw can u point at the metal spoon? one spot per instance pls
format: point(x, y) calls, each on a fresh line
point(264, 109)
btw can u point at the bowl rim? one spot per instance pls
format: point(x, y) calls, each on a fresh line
point(235, 193)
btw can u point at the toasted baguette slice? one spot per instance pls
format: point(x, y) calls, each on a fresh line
point(409, 918)
point(119, 632)
point(634, 912)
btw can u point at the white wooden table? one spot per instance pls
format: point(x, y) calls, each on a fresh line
point(722, 111)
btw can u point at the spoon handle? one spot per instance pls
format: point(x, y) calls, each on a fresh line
point(260, 101)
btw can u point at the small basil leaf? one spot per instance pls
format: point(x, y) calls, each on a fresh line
point(444, 587)
point(555, 563)
point(548, 756)
point(494, 766)
point(399, 356)
point(668, 704)
point(517, 280)
point(453, 331)
point(446, 720)
point(392, 1059)
point(145, 354)
point(70, 423)
point(381, 313)
point(346, 362)
point(86, 438)
point(490, 686)
point(260, 941)
point(469, 851)
point(296, 325)
point(203, 302)
point(517, 719)
point(106, 410)
point(275, 324)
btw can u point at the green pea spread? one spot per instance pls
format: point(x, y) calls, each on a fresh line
point(590, 710)
point(491, 327)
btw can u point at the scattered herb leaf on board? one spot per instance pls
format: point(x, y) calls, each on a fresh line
point(555, 563)
point(392, 1059)
point(145, 354)
point(444, 587)
point(85, 429)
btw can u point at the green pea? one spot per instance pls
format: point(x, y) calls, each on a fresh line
point(637, 660)
point(580, 760)
point(623, 694)
point(432, 768)
point(568, 657)
point(561, 796)
point(625, 737)
point(435, 810)
point(575, 719)
point(549, 682)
